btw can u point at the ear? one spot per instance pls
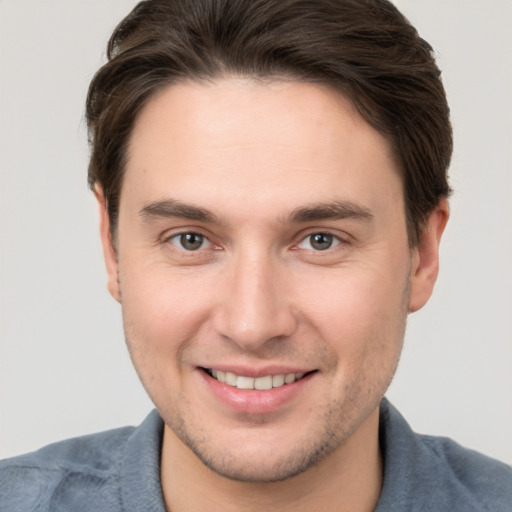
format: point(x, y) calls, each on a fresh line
point(109, 251)
point(425, 257)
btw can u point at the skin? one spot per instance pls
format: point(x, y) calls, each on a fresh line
point(255, 163)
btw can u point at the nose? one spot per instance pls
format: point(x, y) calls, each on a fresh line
point(254, 308)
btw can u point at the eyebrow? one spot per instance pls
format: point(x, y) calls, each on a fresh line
point(336, 210)
point(171, 208)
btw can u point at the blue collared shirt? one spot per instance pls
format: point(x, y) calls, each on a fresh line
point(119, 470)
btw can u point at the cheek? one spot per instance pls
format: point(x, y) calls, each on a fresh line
point(161, 311)
point(360, 315)
point(351, 297)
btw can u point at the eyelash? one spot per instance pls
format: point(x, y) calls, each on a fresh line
point(178, 238)
point(334, 241)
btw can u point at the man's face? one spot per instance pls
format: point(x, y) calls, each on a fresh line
point(261, 237)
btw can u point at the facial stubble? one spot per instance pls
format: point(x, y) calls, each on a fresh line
point(338, 424)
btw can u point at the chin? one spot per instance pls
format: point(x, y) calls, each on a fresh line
point(263, 454)
point(262, 468)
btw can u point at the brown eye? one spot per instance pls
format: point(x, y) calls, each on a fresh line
point(190, 241)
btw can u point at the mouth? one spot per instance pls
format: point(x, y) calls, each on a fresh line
point(262, 383)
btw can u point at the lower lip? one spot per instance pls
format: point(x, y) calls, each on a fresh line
point(252, 401)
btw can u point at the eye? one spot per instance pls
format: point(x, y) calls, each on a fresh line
point(190, 241)
point(319, 242)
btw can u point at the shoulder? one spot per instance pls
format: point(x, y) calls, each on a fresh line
point(469, 474)
point(435, 473)
point(86, 466)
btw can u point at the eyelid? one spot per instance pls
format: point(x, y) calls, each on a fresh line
point(170, 235)
point(175, 240)
point(335, 243)
point(339, 238)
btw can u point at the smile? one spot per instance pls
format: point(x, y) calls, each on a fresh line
point(259, 383)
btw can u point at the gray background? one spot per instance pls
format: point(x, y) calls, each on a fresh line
point(64, 370)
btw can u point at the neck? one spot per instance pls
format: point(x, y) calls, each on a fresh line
point(350, 479)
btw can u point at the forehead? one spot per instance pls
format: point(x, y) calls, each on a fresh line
point(241, 140)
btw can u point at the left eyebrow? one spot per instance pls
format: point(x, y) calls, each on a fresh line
point(336, 210)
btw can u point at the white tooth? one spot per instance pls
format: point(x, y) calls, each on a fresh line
point(214, 373)
point(221, 376)
point(277, 381)
point(231, 379)
point(299, 376)
point(289, 378)
point(263, 382)
point(244, 382)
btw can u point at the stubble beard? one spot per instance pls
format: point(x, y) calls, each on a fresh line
point(339, 422)
point(314, 448)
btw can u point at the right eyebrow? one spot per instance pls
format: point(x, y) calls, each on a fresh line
point(172, 208)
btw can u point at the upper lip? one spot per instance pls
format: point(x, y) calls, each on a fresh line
point(251, 371)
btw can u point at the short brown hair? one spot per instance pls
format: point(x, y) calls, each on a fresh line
point(365, 49)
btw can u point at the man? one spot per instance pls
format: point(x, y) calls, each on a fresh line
point(272, 187)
